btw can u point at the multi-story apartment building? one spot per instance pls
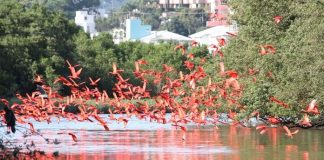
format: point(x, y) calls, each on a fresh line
point(218, 9)
point(182, 3)
point(86, 19)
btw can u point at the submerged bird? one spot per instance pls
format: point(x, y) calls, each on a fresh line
point(10, 119)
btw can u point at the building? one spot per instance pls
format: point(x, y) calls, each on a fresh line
point(219, 13)
point(160, 36)
point(182, 3)
point(135, 30)
point(118, 35)
point(86, 19)
point(218, 9)
point(210, 35)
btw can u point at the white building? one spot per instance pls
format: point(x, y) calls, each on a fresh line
point(210, 35)
point(102, 12)
point(158, 36)
point(119, 35)
point(182, 3)
point(86, 19)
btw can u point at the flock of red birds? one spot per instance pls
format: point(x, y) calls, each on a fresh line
point(182, 97)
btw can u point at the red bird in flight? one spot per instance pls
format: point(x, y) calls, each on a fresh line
point(74, 74)
point(277, 19)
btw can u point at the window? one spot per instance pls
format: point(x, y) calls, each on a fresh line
point(88, 29)
point(85, 17)
point(223, 2)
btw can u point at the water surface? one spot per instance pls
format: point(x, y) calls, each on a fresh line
point(142, 139)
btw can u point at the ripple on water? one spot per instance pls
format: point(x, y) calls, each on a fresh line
point(146, 139)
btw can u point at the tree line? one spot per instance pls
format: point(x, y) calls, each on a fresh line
point(294, 72)
point(36, 41)
point(182, 21)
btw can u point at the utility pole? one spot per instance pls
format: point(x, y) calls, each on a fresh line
point(112, 4)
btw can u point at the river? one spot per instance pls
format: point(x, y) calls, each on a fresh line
point(142, 139)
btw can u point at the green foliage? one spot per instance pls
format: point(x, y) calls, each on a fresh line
point(96, 57)
point(37, 41)
point(108, 24)
point(67, 7)
point(146, 10)
point(176, 26)
point(186, 22)
point(297, 65)
point(32, 41)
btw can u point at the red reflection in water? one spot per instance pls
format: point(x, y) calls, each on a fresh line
point(289, 149)
point(273, 136)
point(240, 142)
point(160, 144)
point(305, 155)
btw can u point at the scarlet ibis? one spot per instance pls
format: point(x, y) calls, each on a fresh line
point(38, 80)
point(277, 19)
point(180, 46)
point(281, 103)
point(74, 74)
point(221, 42)
point(231, 34)
point(305, 121)
point(265, 49)
point(262, 128)
point(94, 82)
point(288, 132)
point(194, 43)
point(312, 108)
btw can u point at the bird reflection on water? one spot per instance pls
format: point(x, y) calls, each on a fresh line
point(139, 140)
